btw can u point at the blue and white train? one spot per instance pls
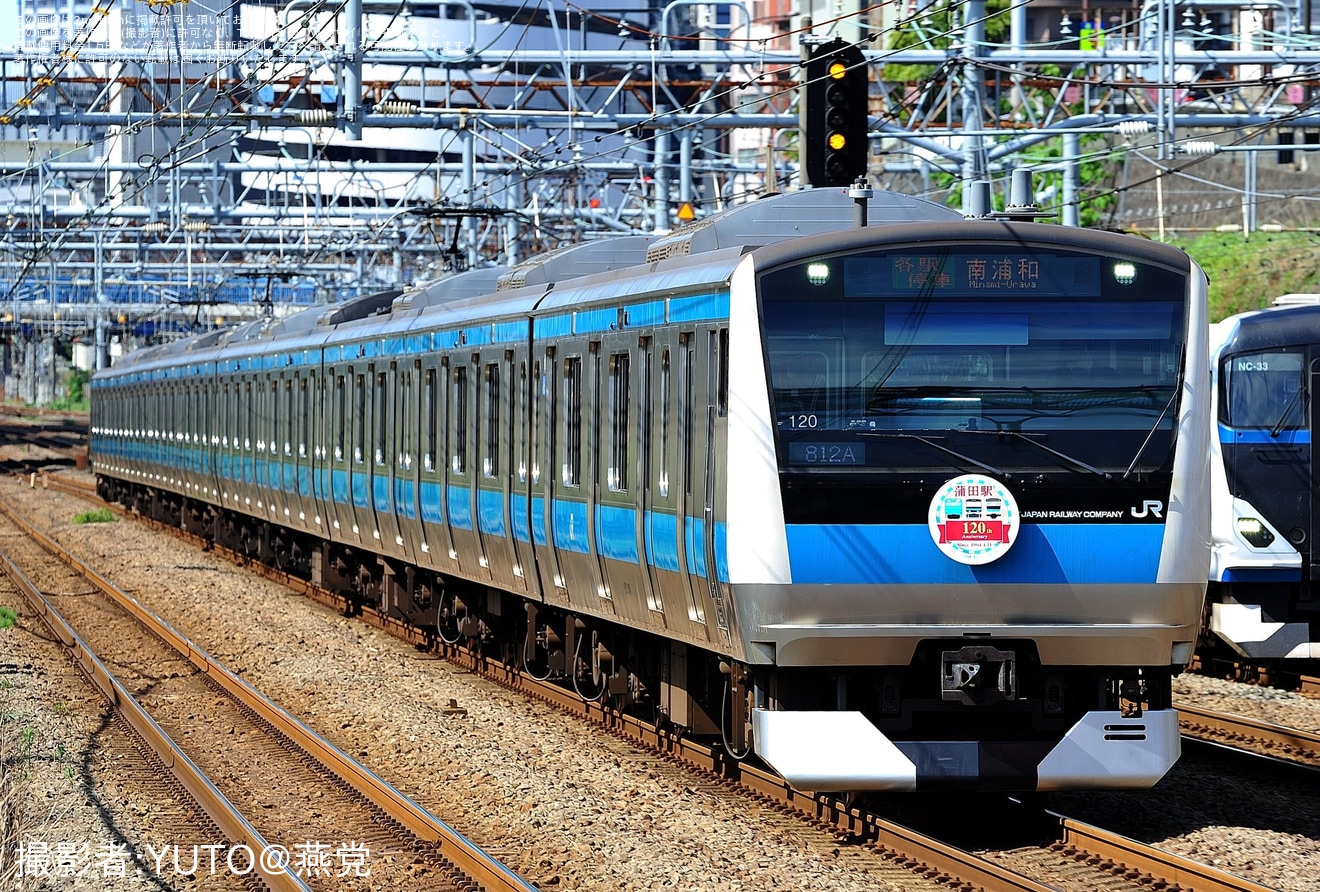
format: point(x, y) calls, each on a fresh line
point(919, 504)
point(1262, 602)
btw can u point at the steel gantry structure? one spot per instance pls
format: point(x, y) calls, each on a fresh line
point(164, 156)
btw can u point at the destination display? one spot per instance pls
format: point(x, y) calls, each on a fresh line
point(1034, 273)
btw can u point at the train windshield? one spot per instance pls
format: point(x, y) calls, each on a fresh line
point(1014, 357)
point(1265, 391)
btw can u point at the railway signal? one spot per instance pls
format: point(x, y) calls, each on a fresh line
point(833, 115)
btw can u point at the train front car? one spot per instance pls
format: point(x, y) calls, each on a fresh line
point(968, 525)
point(1264, 602)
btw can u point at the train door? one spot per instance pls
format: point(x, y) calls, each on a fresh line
point(290, 423)
point(688, 459)
point(339, 439)
point(304, 386)
point(596, 467)
point(492, 481)
point(705, 409)
point(575, 464)
point(617, 512)
point(320, 385)
point(713, 507)
point(283, 470)
point(653, 500)
point(518, 432)
point(249, 412)
point(268, 434)
point(384, 407)
point(221, 434)
point(407, 439)
point(459, 488)
point(362, 518)
point(543, 481)
point(436, 543)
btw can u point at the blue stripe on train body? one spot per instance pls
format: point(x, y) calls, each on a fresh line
point(490, 512)
point(840, 554)
point(1295, 437)
point(433, 509)
point(404, 492)
point(458, 499)
point(616, 533)
point(518, 513)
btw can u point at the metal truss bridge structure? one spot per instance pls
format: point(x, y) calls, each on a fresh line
point(165, 159)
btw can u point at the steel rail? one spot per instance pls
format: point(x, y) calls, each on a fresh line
point(217, 807)
point(1090, 843)
point(1226, 726)
point(469, 858)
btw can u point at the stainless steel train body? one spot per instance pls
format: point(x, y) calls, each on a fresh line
point(845, 495)
point(1264, 601)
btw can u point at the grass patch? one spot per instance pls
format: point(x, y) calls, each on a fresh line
point(1248, 273)
point(7, 617)
point(99, 515)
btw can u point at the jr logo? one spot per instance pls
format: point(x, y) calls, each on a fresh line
point(1151, 507)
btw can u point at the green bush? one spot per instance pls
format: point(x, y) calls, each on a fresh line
point(7, 617)
point(99, 515)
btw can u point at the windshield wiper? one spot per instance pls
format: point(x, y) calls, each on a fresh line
point(998, 472)
point(1287, 410)
point(1151, 433)
point(1018, 435)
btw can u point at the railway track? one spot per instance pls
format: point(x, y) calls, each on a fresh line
point(1240, 732)
point(296, 811)
point(1267, 676)
point(1074, 856)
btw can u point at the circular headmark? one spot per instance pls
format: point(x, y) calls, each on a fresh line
point(974, 519)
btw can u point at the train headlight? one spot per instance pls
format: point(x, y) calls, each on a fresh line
point(818, 273)
point(1256, 533)
point(1125, 273)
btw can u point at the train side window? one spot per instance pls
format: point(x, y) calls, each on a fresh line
point(689, 408)
point(617, 472)
point(304, 406)
point(490, 462)
point(665, 384)
point(722, 380)
point(380, 412)
point(572, 475)
point(459, 463)
point(429, 407)
point(359, 417)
